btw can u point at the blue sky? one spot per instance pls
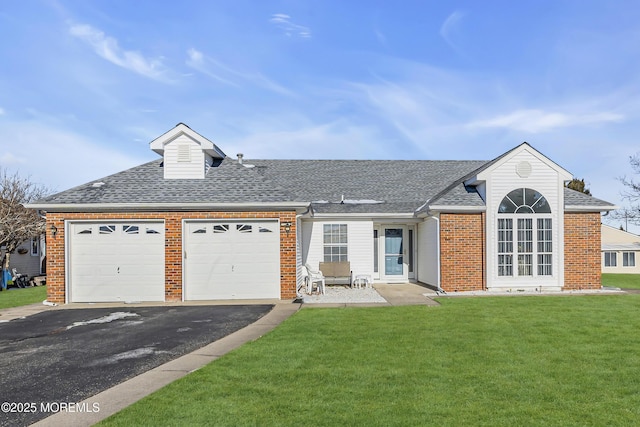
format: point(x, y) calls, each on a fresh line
point(86, 85)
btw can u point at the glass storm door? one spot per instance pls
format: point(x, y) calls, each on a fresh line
point(394, 262)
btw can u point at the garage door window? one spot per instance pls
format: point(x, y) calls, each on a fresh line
point(244, 228)
point(220, 228)
point(131, 229)
point(107, 229)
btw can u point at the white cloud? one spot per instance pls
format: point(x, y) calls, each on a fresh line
point(536, 121)
point(450, 28)
point(283, 22)
point(196, 60)
point(229, 76)
point(9, 159)
point(59, 158)
point(293, 136)
point(108, 48)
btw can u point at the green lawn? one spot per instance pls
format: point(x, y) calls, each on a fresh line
point(14, 297)
point(624, 281)
point(487, 361)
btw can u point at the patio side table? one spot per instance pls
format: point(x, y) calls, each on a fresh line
point(362, 280)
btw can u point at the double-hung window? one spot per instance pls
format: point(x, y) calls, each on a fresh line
point(335, 242)
point(525, 235)
point(610, 259)
point(628, 259)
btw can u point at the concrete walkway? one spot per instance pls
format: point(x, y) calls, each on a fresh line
point(393, 294)
point(406, 294)
point(7, 314)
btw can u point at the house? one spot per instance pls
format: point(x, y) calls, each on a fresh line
point(620, 250)
point(29, 257)
point(196, 224)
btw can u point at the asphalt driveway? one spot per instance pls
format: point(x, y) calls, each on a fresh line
point(65, 356)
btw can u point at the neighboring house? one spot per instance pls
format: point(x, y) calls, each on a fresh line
point(199, 225)
point(620, 251)
point(28, 258)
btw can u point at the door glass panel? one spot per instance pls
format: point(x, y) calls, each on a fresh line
point(393, 259)
point(375, 251)
point(410, 251)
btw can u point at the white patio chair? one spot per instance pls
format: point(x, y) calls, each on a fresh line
point(314, 276)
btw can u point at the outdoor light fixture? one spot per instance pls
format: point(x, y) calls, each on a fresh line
point(286, 226)
point(54, 230)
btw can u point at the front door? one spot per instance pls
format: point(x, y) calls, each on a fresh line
point(395, 262)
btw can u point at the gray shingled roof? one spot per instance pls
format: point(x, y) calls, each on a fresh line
point(226, 182)
point(578, 199)
point(396, 186)
point(401, 185)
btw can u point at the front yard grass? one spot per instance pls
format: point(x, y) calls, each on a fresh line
point(17, 297)
point(488, 361)
point(624, 281)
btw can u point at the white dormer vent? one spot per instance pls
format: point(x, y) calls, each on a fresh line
point(524, 169)
point(184, 153)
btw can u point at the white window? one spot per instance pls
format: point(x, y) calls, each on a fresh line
point(525, 235)
point(35, 244)
point(628, 259)
point(545, 247)
point(505, 247)
point(610, 259)
point(335, 242)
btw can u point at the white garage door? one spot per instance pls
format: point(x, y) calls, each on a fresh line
point(232, 260)
point(116, 261)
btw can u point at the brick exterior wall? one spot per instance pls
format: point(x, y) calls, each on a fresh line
point(582, 258)
point(173, 247)
point(462, 247)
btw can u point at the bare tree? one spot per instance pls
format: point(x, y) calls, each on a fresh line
point(630, 214)
point(17, 223)
point(633, 187)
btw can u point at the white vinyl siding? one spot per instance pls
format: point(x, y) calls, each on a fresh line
point(428, 261)
point(26, 263)
point(359, 245)
point(620, 262)
point(540, 264)
point(184, 159)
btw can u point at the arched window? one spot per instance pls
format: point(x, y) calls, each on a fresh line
point(524, 200)
point(525, 238)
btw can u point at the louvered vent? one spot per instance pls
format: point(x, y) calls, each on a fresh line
point(184, 153)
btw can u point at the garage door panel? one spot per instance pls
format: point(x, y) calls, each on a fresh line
point(235, 259)
point(111, 261)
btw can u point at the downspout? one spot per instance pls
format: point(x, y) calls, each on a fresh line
point(439, 290)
